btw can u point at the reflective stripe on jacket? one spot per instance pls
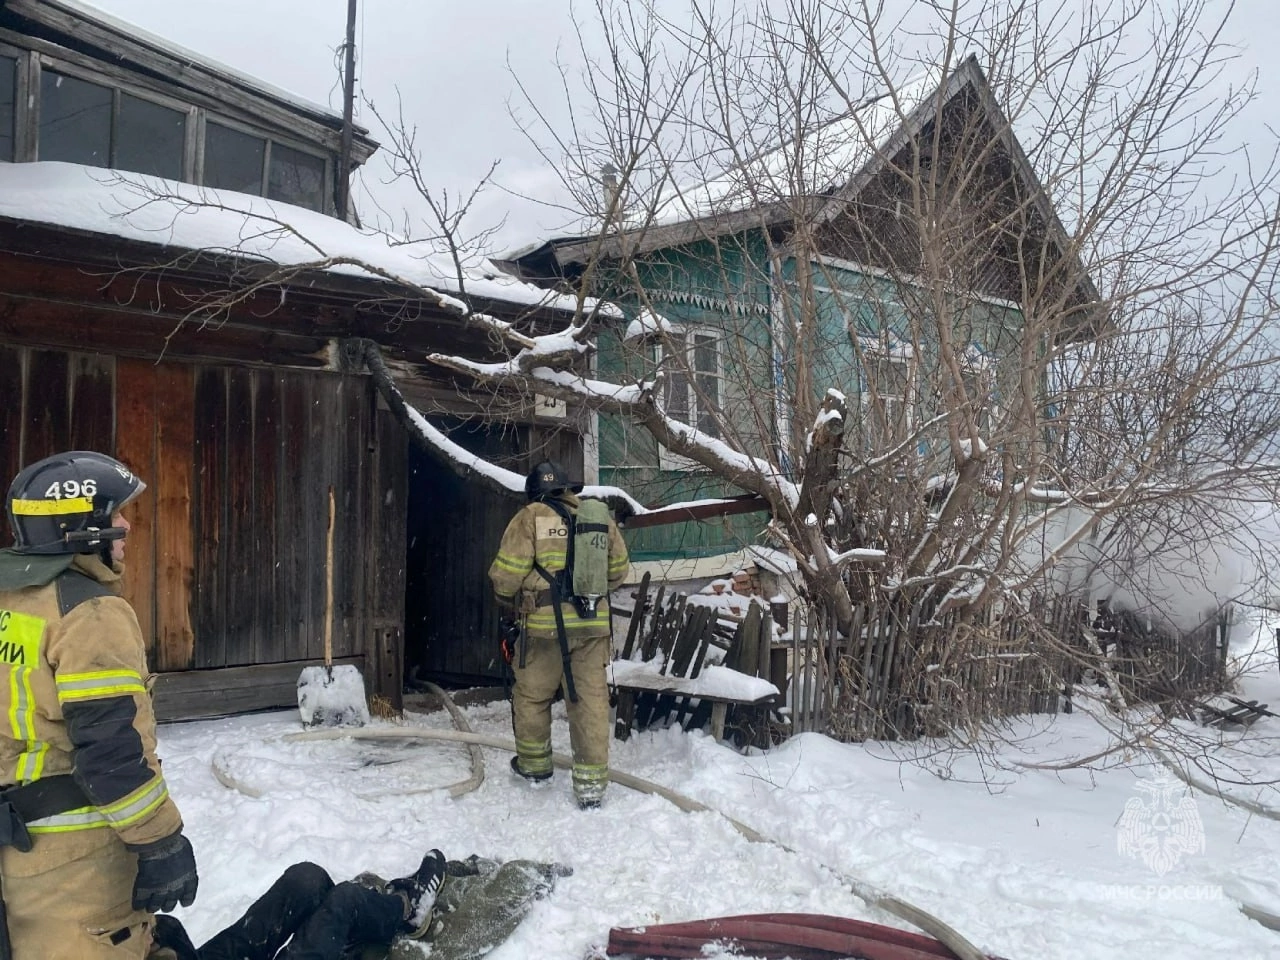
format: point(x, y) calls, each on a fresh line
point(538, 534)
point(73, 699)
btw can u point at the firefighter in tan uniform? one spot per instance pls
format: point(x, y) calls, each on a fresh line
point(91, 845)
point(568, 647)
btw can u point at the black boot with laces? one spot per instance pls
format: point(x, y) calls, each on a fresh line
point(419, 892)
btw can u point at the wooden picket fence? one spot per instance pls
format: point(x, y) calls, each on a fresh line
point(902, 672)
point(665, 625)
point(907, 674)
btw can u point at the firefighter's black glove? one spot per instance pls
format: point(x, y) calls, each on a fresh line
point(166, 874)
point(508, 637)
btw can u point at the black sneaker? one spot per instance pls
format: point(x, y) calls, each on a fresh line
point(534, 777)
point(419, 892)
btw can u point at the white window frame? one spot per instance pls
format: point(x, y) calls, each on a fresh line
point(984, 369)
point(668, 460)
point(875, 351)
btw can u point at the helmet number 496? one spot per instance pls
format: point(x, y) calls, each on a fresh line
point(69, 489)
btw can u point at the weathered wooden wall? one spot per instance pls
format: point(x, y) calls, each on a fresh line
point(226, 559)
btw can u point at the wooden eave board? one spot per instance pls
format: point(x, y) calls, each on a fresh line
point(127, 279)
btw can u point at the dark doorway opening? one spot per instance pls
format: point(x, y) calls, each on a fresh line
point(454, 528)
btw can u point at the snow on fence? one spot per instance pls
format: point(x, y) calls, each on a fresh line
point(901, 673)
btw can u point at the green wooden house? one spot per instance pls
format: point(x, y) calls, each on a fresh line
point(727, 283)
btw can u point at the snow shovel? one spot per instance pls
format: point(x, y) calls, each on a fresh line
point(331, 696)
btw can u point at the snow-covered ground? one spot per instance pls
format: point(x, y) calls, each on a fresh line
point(1028, 864)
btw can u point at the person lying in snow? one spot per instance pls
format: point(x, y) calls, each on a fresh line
point(464, 908)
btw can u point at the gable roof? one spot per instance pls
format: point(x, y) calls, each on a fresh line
point(839, 159)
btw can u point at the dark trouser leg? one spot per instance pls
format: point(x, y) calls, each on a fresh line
point(273, 918)
point(351, 914)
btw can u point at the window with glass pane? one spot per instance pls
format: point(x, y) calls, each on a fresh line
point(676, 377)
point(296, 177)
point(233, 160)
point(885, 395)
point(706, 366)
point(150, 138)
point(75, 120)
point(692, 377)
point(8, 93)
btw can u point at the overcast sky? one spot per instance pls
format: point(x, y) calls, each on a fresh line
point(449, 59)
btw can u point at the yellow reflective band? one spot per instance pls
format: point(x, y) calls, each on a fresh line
point(573, 624)
point(46, 508)
point(137, 805)
point(99, 683)
point(513, 564)
point(83, 818)
point(20, 636)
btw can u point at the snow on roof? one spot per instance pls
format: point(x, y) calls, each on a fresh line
point(182, 215)
point(647, 324)
point(130, 32)
point(826, 158)
point(823, 159)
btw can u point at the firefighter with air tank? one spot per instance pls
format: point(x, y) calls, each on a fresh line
point(560, 557)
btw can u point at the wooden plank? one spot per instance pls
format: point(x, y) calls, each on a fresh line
point(293, 584)
point(47, 427)
point(388, 495)
point(135, 333)
point(209, 510)
point(195, 694)
point(706, 510)
point(321, 470)
point(92, 389)
point(718, 712)
point(135, 447)
point(638, 615)
point(764, 644)
point(650, 640)
point(13, 362)
point(175, 552)
point(687, 639)
point(267, 646)
point(346, 459)
point(239, 576)
point(361, 410)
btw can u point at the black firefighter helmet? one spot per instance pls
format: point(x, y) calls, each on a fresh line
point(64, 503)
point(548, 478)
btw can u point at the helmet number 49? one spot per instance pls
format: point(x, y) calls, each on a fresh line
point(69, 489)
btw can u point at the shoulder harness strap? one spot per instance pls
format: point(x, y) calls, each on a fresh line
point(74, 588)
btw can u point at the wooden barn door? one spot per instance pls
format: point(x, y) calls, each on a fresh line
point(454, 527)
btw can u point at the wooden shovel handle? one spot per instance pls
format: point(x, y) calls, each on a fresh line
point(328, 587)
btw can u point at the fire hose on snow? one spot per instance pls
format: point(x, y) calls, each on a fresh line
point(870, 895)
